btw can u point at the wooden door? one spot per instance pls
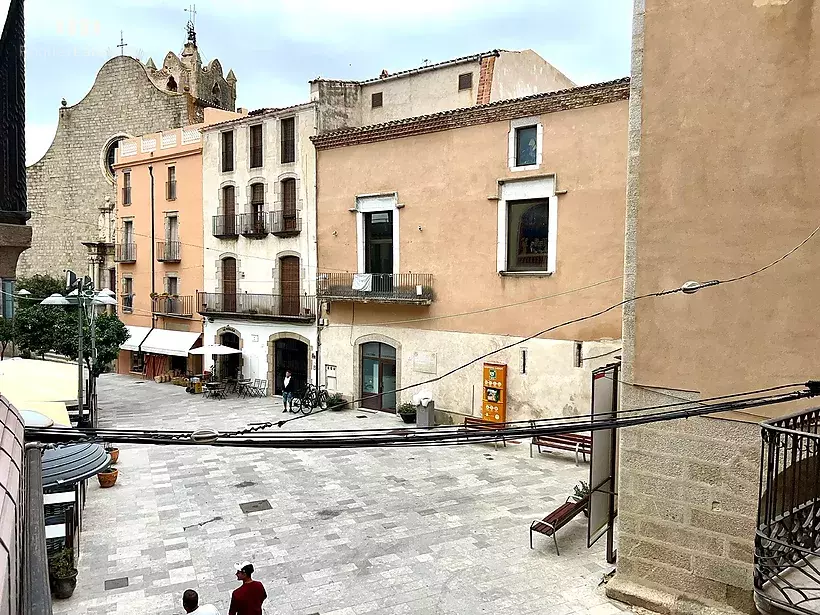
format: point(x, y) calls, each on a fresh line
point(289, 205)
point(229, 284)
point(289, 284)
point(229, 210)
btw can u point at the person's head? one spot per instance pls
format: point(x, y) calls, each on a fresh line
point(244, 571)
point(287, 373)
point(190, 600)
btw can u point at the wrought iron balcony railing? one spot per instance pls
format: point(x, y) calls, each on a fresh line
point(787, 540)
point(226, 227)
point(254, 225)
point(286, 307)
point(169, 251)
point(125, 253)
point(127, 303)
point(416, 288)
point(285, 224)
point(179, 305)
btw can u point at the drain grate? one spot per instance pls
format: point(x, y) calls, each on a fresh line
point(116, 583)
point(257, 506)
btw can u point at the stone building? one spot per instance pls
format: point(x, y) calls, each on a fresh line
point(461, 82)
point(723, 157)
point(419, 248)
point(71, 193)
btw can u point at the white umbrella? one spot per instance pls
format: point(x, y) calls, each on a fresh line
point(215, 349)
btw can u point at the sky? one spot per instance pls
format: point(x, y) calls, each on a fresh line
point(275, 46)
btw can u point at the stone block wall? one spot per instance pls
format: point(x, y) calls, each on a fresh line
point(68, 184)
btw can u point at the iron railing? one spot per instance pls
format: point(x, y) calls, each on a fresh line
point(787, 540)
point(377, 287)
point(300, 307)
point(254, 224)
point(226, 226)
point(127, 302)
point(179, 305)
point(285, 224)
point(169, 251)
point(125, 253)
point(171, 190)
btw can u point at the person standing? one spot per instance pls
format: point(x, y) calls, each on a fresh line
point(247, 599)
point(190, 602)
point(287, 391)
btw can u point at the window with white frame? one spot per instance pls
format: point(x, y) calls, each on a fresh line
point(378, 234)
point(527, 227)
point(526, 144)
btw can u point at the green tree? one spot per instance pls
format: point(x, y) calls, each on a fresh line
point(35, 324)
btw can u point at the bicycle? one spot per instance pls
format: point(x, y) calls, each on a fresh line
point(312, 397)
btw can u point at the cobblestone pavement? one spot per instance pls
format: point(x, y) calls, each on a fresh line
point(421, 530)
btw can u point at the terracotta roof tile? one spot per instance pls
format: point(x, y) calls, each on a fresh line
point(536, 104)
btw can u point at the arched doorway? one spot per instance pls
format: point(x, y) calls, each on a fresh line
point(229, 363)
point(290, 354)
point(378, 372)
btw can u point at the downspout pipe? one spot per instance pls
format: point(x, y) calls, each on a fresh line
point(153, 255)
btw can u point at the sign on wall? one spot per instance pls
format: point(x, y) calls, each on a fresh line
point(494, 398)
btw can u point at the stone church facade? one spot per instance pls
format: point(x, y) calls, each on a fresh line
point(71, 189)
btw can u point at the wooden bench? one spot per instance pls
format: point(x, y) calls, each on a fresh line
point(471, 422)
point(575, 442)
point(549, 525)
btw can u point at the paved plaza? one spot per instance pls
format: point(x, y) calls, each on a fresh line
point(341, 532)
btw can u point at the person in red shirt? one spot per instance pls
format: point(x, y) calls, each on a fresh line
point(247, 599)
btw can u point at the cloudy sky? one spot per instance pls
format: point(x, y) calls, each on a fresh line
point(276, 46)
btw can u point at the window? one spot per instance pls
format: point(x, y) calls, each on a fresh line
point(112, 279)
point(527, 235)
point(256, 146)
point(289, 198)
point(8, 299)
point(526, 146)
point(171, 184)
point(127, 294)
point(137, 362)
point(378, 242)
point(288, 129)
point(111, 156)
point(126, 188)
point(465, 81)
point(376, 100)
point(128, 231)
point(227, 151)
point(172, 84)
point(172, 285)
point(524, 361)
point(257, 198)
point(172, 247)
point(578, 360)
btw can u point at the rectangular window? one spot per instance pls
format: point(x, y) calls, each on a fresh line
point(378, 242)
point(288, 128)
point(256, 146)
point(126, 188)
point(136, 362)
point(526, 146)
point(227, 151)
point(524, 361)
point(465, 81)
point(172, 285)
point(128, 231)
point(171, 184)
point(527, 235)
point(579, 355)
point(289, 198)
point(376, 100)
point(112, 280)
point(127, 295)
point(8, 299)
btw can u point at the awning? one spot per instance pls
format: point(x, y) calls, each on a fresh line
point(23, 381)
point(136, 335)
point(70, 464)
point(174, 343)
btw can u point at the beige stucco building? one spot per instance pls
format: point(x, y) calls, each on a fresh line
point(449, 235)
point(722, 181)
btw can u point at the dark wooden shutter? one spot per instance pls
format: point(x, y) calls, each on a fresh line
point(288, 138)
point(229, 210)
point(465, 81)
point(376, 100)
point(229, 284)
point(227, 151)
point(289, 204)
point(289, 283)
point(256, 146)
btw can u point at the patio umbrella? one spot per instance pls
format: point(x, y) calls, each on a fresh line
point(215, 349)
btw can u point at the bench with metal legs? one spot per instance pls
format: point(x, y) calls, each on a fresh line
point(549, 525)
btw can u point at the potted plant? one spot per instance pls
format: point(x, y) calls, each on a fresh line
point(114, 452)
point(62, 574)
point(580, 492)
point(107, 477)
point(336, 402)
point(407, 412)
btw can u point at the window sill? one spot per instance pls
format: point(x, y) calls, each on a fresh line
point(526, 274)
point(529, 167)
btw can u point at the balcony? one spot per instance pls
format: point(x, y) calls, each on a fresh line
point(171, 190)
point(285, 225)
point(410, 288)
point(254, 225)
point(168, 251)
point(301, 308)
point(125, 253)
point(179, 305)
point(127, 303)
point(787, 540)
point(226, 227)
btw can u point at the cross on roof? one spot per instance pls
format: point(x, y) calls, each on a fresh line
point(122, 44)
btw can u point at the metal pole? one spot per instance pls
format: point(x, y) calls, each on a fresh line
point(80, 355)
point(92, 377)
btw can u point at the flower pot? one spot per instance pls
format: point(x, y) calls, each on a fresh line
point(63, 587)
point(408, 418)
point(107, 478)
point(115, 454)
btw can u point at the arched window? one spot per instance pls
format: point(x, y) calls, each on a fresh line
point(215, 90)
point(172, 84)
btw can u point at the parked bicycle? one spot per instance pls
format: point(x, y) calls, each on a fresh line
point(312, 397)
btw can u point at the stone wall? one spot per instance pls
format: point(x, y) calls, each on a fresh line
point(69, 183)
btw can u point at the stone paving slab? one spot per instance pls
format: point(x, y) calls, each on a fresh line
point(347, 532)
